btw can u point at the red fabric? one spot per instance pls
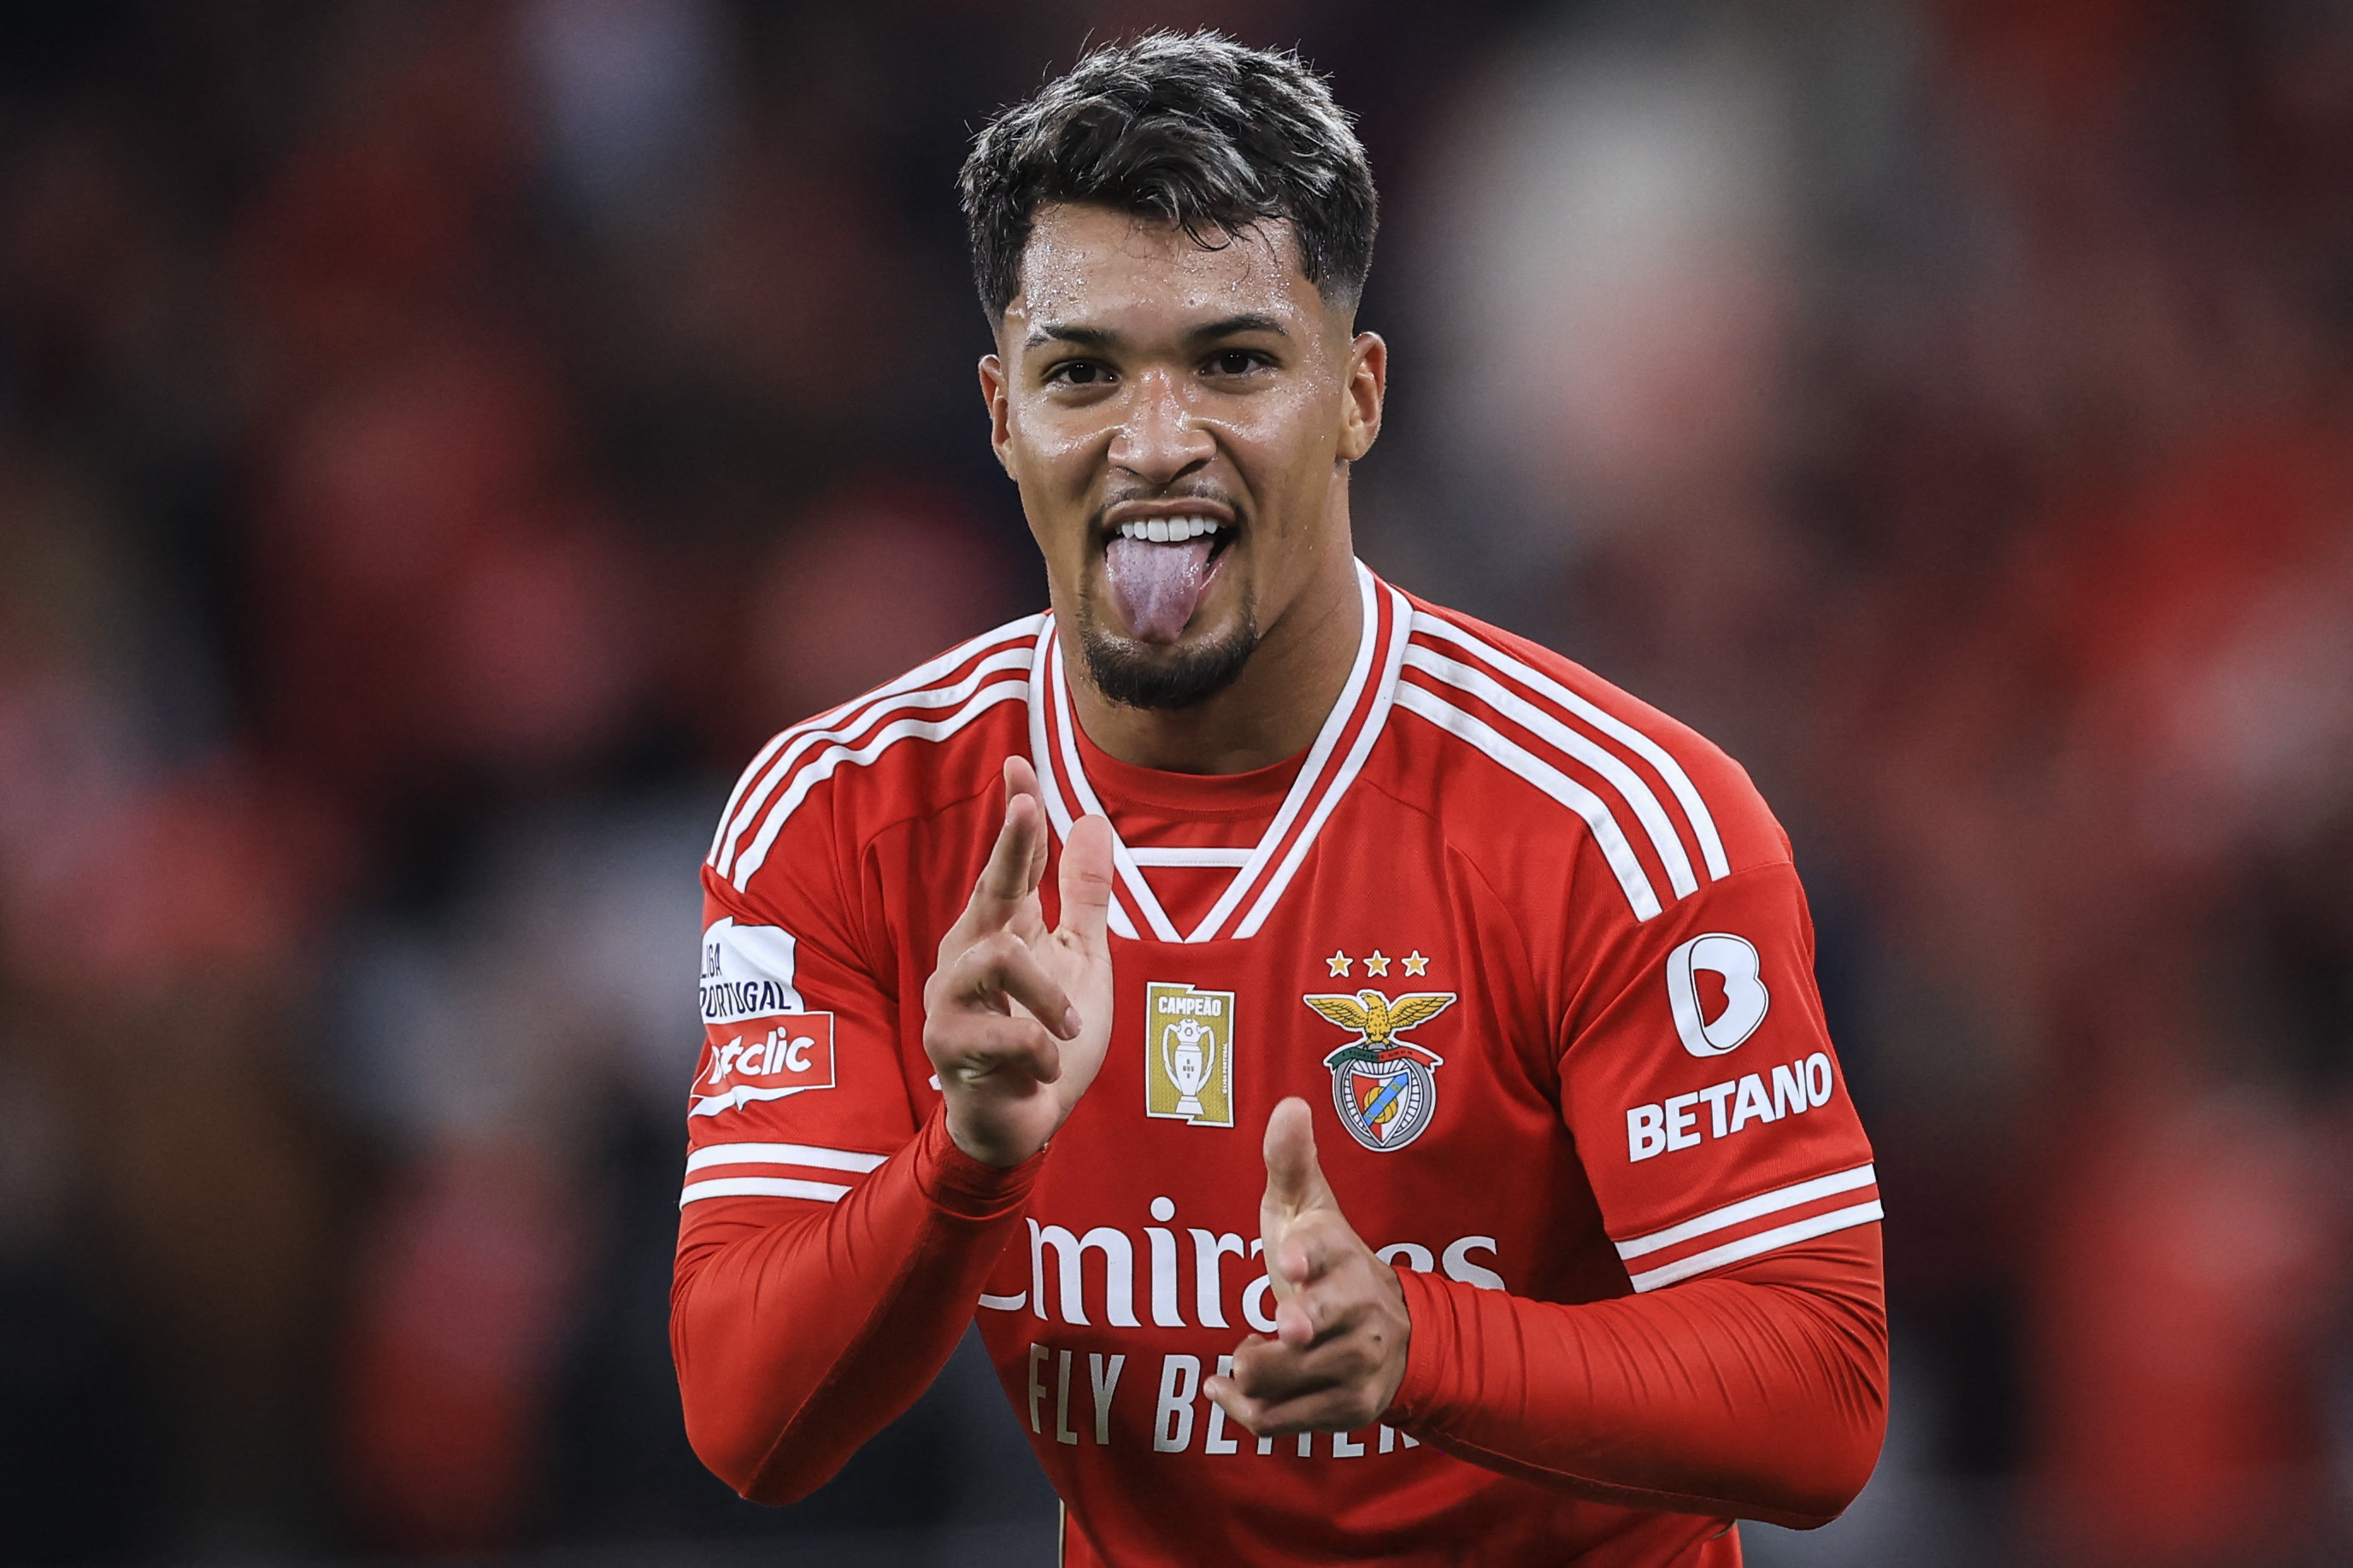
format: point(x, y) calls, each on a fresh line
point(1615, 1099)
point(1761, 1392)
point(797, 1340)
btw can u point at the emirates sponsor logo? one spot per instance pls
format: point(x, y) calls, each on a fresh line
point(1101, 1280)
point(1179, 1277)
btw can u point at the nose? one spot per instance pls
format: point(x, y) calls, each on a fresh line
point(1158, 440)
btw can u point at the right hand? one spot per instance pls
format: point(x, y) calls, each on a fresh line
point(1016, 1017)
point(1341, 1332)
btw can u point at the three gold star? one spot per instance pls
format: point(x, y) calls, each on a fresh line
point(1377, 964)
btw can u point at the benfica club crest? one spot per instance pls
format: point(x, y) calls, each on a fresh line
point(1383, 1087)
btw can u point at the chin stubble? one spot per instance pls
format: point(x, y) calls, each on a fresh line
point(1146, 674)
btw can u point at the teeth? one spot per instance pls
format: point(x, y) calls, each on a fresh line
point(1169, 530)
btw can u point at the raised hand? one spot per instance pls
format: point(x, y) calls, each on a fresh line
point(1016, 1017)
point(1341, 1330)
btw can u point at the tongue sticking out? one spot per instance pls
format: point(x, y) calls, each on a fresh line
point(1157, 585)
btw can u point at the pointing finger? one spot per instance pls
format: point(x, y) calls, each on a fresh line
point(1086, 882)
point(1021, 778)
point(1015, 862)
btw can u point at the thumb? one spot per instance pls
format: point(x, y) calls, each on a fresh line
point(1294, 1181)
point(1294, 1188)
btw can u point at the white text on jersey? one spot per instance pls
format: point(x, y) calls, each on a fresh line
point(1108, 1255)
point(1675, 1122)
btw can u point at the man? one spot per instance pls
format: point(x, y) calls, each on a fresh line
point(1363, 1071)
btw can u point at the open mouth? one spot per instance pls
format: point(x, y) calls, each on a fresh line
point(1160, 567)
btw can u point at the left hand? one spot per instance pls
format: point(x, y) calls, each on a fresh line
point(1341, 1330)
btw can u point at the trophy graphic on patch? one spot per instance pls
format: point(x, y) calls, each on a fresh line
point(1197, 1052)
point(1188, 1055)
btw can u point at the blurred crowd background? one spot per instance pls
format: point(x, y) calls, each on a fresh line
point(438, 441)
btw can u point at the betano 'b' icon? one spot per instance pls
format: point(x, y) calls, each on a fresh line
point(1733, 961)
point(1188, 1055)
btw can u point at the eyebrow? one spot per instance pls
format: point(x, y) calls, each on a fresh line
point(1248, 322)
point(1085, 337)
point(1103, 337)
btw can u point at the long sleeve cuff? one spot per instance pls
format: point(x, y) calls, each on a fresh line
point(957, 1185)
point(1434, 1351)
point(1760, 1396)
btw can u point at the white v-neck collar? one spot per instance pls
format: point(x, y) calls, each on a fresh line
point(1333, 763)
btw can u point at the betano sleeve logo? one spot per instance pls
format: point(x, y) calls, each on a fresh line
point(1732, 963)
point(759, 1040)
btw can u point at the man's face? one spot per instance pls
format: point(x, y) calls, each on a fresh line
point(1175, 418)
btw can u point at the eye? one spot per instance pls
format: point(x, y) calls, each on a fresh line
point(1079, 372)
point(1235, 362)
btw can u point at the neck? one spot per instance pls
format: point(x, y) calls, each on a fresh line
point(1273, 711)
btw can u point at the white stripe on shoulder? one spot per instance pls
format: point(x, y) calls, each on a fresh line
point(847, 719)
point(823, 765)
point(762, 1187)
point(743, 804)
point(1774, 1202)
point(809, 1154)
point(1711, 843)
point(1631, 878)
point(1638, 796)
point(719, 834)
point(1762, 1242)
point(735, 818)
point(865, 718)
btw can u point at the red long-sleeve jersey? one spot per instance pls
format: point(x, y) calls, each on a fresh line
point(1536, 953)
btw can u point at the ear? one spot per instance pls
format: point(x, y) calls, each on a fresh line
point(992, 391)
point(1368, 383)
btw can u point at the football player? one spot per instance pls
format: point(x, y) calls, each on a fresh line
point(1363, 1070)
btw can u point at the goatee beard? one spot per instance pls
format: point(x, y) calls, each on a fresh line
point(1146, 675)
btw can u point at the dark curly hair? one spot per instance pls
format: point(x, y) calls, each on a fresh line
point(1194, 129)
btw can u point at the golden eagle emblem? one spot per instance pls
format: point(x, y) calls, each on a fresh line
point(1378, 1021)
point(1382, 1086)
